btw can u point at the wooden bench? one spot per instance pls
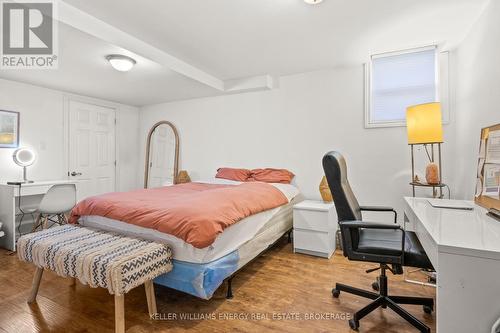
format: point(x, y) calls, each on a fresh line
point(98, 259)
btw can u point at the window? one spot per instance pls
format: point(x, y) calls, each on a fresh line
point(397, 80)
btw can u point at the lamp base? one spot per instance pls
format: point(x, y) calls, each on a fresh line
point(432, 174)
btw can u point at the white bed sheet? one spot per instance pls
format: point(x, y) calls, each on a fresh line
point(231, 239)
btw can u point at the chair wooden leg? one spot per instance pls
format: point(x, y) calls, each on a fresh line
point(37, 223)
point(61, 219)
point(150, 296)
point(45, 222)
point(36, 284)
point(119, 313)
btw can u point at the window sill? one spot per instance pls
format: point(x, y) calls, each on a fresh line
point(385, 124)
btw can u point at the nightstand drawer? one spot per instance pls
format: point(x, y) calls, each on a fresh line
point(312, 220)
point(323, 242)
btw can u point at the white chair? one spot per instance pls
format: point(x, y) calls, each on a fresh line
point(58, 200)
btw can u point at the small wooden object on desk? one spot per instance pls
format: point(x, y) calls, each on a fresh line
point(314, 228)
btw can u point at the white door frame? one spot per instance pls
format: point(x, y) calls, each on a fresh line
point(89, 100)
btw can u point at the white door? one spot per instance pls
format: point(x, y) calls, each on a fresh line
point(91, 148)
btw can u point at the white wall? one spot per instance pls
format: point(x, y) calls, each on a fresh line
point(293, 127)
point(477, 93)
point(127, 137)
point(42, 127)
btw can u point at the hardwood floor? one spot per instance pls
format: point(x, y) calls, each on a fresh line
point(280, 284)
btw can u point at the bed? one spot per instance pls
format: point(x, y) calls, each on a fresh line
point(200, 271)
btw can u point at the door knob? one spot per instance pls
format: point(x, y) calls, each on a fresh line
point(74, 173)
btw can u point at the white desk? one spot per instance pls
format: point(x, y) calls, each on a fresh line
point(464, 248)
point(8, 205)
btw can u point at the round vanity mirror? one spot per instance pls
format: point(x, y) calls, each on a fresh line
point(24, 157)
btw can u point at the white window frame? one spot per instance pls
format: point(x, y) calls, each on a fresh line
point(442, 85)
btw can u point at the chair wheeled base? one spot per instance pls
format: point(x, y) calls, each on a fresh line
point(382, 299)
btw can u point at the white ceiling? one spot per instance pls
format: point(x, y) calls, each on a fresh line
point(231, 39)
point(84, 70)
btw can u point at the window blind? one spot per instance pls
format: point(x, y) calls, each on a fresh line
point(399, 81)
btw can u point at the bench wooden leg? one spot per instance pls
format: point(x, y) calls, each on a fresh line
point(36, 284)
point(150, 296)
point(119, 313)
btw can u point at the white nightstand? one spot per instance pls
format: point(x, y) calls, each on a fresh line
point(314, 228)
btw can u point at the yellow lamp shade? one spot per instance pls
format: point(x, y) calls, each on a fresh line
point(424, 123)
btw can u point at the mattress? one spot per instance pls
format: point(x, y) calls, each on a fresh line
point(231, 239)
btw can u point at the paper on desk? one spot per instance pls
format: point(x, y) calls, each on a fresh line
point(493, 147)
point(479, 187)
point(479, 179)
point(482, 149)
point(480, 166)
point(491, 184)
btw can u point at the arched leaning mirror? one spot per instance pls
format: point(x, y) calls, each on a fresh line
point(162, 155)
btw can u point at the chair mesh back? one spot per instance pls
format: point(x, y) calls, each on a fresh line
point(346, 204)
point(59, 198)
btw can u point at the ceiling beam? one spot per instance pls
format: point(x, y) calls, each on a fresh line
point(254, 83)
point(80, 20)
point(91, 25)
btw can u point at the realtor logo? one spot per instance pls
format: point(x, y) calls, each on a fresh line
point(28, 34)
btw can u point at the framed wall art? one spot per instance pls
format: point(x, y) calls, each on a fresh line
point(9, 129)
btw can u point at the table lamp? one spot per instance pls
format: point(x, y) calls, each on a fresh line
point(24, 157)
point(424, 126)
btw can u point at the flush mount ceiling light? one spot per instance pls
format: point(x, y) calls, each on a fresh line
point(120, 62)
point(313, 2)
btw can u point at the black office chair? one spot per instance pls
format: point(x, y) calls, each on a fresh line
point(386, 244)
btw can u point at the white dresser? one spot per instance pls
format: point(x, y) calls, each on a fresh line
point(314, 228)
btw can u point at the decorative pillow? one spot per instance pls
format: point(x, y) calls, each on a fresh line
point(269, 175)
point(241, 175)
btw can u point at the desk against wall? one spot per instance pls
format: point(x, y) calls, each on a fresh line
point(30, 194)
point(464, 248)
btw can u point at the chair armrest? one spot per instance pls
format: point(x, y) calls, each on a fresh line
point(380, 209)
point(347, 227)
point(368, 225)
point(377, 208)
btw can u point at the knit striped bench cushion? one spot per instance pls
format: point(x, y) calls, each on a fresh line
point(96, 258)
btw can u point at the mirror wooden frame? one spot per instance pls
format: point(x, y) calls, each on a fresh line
point(148, 148)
